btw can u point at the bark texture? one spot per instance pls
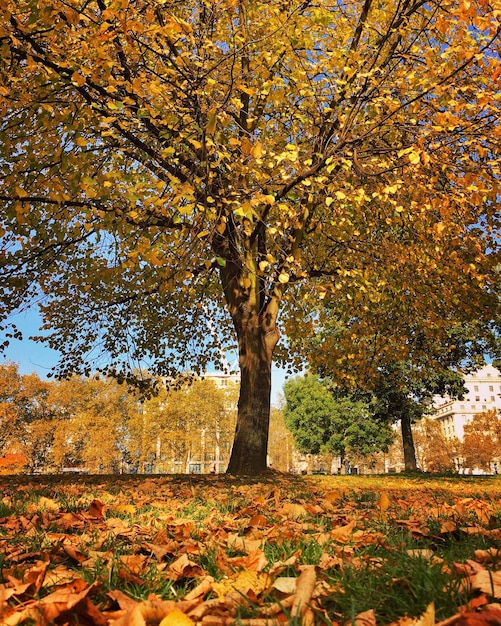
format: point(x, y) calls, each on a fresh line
point(256, 342)
point(408, 444)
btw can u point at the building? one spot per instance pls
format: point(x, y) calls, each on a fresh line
point(223, 380)
point(483, 394)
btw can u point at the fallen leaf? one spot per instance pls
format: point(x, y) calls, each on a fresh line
point(367, 618)
point(492, 555)
point(423, 553)
point(487, 582)
point(285, 584)
point(177, 618)
point(96, 509)
point(291, 510)
point(183, 567)
point(305, 586)
point(242, 582)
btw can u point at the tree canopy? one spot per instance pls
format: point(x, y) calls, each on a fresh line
point(482, 441)
point(324, 419)
point(165, 161)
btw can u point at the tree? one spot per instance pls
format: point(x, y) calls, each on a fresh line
point(24, 412)
point(90, 429)
point(404, 395)
point(435, 451)
point(161, 161)
point(323, 419)
point(193, 423)
point(482, 440)
point(402, 390)
point(10, 385)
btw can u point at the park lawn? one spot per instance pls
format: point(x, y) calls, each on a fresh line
point(218, 550)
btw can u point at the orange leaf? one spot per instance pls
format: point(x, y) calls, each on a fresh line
point(305, 586)
point(96, 509)
point(258, 520)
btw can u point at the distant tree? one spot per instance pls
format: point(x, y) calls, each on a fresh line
point(404, 395)
point(25, 413)
point(324, 419)
point(90, 429)
point(10, 422)
point(193, 423)
point(281, 441)
point(435, 451)
point(12, 463)
point(482, 441)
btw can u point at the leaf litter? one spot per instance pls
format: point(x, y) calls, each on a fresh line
point(218, 551)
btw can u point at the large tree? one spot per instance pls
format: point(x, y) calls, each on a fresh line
point(482, 441)
point(162, 161)
point(324, 418)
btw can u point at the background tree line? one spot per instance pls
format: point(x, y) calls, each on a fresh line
point(359, 427)
point(101, 426)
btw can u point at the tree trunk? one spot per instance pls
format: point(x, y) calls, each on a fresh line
point(256, 341)
point(408, 444)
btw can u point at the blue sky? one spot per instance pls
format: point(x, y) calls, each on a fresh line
point(32, 356)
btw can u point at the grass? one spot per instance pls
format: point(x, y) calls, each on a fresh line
point(390, 544)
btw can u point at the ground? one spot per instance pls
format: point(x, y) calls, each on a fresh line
point(217, 550)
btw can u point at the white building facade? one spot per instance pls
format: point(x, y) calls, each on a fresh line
point(483, 394)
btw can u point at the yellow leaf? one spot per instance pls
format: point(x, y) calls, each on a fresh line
point(48, 504)
point(211, 121)
point(243, 582)
point(384, 503)
point(340, 195)
point(427, 618)
point(246, 145)
point(80, 141)
point(333, 496)
point(21, 193)
point(414, 158)
point(127, 509)
point(263, 265)
point(284, 278)
point(257, 150)
point(177, 618)
point(293, 511)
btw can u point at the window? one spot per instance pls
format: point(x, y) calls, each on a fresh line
point(491, 387)
point(477, 398)
point(475, 388)
point(493, 399)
